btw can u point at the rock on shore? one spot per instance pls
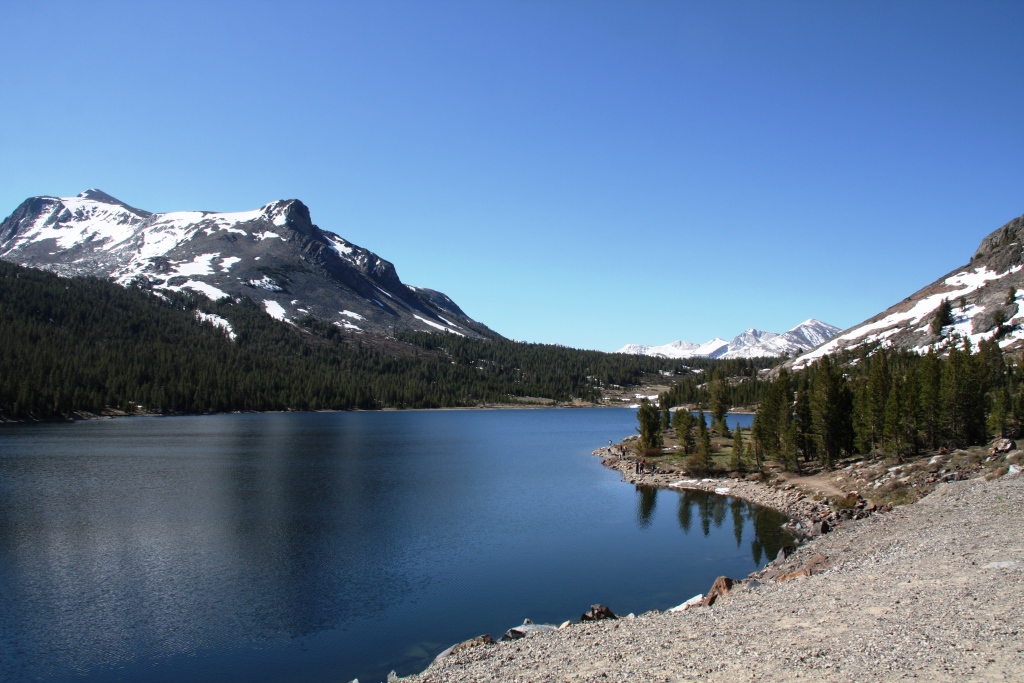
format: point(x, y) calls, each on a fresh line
point(931, 591)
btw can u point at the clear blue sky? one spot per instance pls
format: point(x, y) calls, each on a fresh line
point(586, 173)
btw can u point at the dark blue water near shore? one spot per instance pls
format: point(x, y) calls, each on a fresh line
point(324, 547)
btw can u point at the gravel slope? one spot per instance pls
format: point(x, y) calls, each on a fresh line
point(932, 591)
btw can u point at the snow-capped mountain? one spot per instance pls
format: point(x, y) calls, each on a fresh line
point(274, 254)
point(988, 289)
point(751, 343)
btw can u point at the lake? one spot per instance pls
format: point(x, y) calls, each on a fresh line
point(330, 546)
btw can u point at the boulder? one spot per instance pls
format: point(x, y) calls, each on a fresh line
point(1002, 446)
point(784, 552)
point(721, 586)
point(695, 601)
point(528, 627)
point(815, 565)
point(597, 613)
point(485, 639)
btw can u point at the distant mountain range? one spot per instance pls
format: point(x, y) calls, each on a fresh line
point(751, 343)
point(274, 255)
point(985, 297)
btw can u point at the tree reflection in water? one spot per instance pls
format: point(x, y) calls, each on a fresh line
point(763, 524)
point(645, 510)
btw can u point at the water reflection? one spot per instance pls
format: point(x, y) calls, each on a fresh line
point(761, 525)
point(646, 504)
point(327, 546)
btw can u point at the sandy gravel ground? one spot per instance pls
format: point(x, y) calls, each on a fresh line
point(932, 591)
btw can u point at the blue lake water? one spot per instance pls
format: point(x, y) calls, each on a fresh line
point(330, 546)
point(744, 420)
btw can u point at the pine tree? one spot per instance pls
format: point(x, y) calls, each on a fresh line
point(999, 417)
point(649, 429)
point(943, 317)
point(701, 461)
point(962, 393)
point(911, 405)
point(683, 422)
point(773, 416)
point(737, 463)
point(832, 411)
point(718, 404)
point(930, 380)
point(751, 454)
point(878, 396)
point(805, 426)
point(895, 424)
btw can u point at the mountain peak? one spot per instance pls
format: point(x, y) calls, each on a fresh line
point(99, 196)
point(273, 255)
point(751, 343)
point(290, 213)
point(102, 197)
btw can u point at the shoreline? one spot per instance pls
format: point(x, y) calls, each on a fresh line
point(930, 590)
point(788, 499)
point(85, 417)
point(868, 597)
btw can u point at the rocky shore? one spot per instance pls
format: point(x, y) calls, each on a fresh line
point(930, 590)
point(800, 505)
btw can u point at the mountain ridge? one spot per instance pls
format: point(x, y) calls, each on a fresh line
point(275, 255)
point(751, 343)
point(985, 296)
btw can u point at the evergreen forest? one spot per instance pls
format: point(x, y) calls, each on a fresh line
point(877, 400)
point(87, 345)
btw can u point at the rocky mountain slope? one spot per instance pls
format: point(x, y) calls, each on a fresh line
point(275, 255)
point(751, 343)
point(985, 297)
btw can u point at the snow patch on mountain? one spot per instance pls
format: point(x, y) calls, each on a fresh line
point(438, 325)
point(227, 262)
point(217, 321)
point(274, 309)
point(917, 318)
point(266, 283)
point(200, 265)
point(751, 343)
point(205, 288)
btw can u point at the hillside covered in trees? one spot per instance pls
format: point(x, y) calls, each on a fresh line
point(88, 345)
point(876, 400)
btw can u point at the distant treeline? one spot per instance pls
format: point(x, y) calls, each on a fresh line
point(737, 383)
point(89, 345)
